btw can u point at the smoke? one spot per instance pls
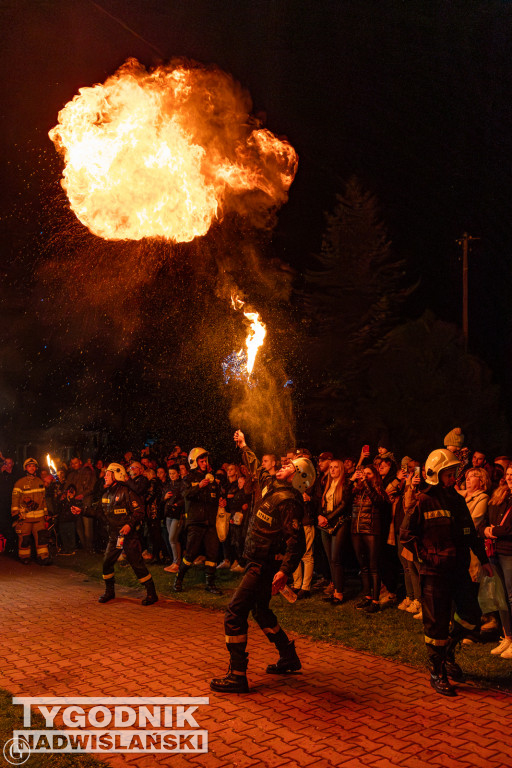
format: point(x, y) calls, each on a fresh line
point(265, 412)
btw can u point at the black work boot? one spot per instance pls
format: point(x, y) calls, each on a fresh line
point(110, 592)
point(151, 595)
point(178, 583)
point(288, 661)
point(438, 678)
point(234, 682)
point(453, 670)
point(210, 584)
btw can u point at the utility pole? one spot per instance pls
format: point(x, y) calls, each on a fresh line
point(465, 240)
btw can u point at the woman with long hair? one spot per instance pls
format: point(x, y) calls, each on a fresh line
point(334, 524)
point(497, 529)
point(369, 507)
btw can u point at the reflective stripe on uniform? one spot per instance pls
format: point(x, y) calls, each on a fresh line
point(432, 513)
point(236, 638)
point(463, 623)
point(145, 578)
point(209, 562)
point(108, 576)
point(432, 641)
point(186, 562)
point(271, 630)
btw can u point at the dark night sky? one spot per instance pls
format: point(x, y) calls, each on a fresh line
point(413, 97)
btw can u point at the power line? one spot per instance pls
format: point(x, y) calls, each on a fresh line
point(127, 28)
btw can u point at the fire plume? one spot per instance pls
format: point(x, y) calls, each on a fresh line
point(255, 336)
point(167, 152)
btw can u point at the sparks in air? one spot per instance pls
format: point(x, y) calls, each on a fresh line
point(166, 153)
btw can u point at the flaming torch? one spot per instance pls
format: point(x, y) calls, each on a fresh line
point(51, 466)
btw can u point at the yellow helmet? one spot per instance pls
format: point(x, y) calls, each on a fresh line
point(118, 471)
point(438, 460)
point(30, 461)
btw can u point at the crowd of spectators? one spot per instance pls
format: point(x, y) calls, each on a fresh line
point(352, 520)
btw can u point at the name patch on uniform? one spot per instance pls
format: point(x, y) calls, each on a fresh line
point(432, 513)
point(467, 531)
point(264, 517)
point(119, 511)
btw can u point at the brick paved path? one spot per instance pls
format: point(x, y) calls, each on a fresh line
point(346, 709)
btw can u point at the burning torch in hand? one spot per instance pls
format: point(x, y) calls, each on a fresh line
point(51, 466)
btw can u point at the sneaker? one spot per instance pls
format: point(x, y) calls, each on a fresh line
point(405, 604)
point(199, 560)
point(237, 569)
point(418, 615)
point(505, 643)
point(489, 625)
point(388, 598)
point(224, 564)
point(414, 607)
point(468, 641)
point(372, 607)
point(507, 654)
point(364, 603)
point(174, 568)
point(329, 590)
point(147, 555)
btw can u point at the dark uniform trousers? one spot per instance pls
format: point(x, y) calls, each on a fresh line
point(133, 552)
point(253, 594)
point(202, 535)
point(439, 592)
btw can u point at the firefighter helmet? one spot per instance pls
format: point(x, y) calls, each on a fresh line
point(194, 455)
point(29, 461)
point(118, 471)
point(438, 460)
point(305, 474)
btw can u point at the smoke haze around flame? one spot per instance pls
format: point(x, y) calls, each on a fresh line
point(165, 153)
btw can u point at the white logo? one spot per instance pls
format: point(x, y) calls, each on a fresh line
point(16, 751)
point(108, 724)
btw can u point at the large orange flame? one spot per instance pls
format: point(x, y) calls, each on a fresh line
point(255, 337)
point(165, 153)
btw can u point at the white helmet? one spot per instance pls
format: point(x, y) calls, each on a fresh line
point(194, 455)
point(29, 461)
point(118, 471)
point(438, 460)
point(305, 474)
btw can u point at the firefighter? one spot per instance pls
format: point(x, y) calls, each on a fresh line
point(124, 512)
point(274, 546)
point(440, 531)
point(203, 496)
point(28, 510)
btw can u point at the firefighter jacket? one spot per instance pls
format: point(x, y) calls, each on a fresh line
point(259, 476)
point(439, 529)
point(276, 531)
point(370, 510)
point(28, 499)
point(121, 506)
point(202, 503)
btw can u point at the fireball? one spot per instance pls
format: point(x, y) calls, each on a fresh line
point(165, 153)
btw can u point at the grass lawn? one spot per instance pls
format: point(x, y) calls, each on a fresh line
point(390, 633)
